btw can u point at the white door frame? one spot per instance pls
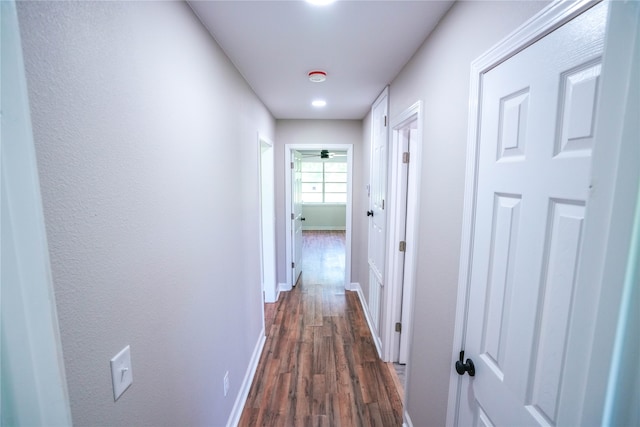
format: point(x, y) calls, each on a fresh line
point(267, 219)
point(616, 202)
point(288, 149)
point(401, 271)
point(604, 227)
point(31, 349)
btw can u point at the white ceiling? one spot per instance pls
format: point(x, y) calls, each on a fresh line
point(362, 45)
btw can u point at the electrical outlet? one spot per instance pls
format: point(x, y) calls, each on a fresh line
point(121, 374)
point(226, 383)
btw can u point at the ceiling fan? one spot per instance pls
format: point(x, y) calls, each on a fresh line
point(324, 154)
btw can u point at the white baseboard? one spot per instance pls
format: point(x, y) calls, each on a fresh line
point(324, 228)
point(271, 296)
point(407, 420)
point(241, 399)
point(283, 287)
point(367, 315)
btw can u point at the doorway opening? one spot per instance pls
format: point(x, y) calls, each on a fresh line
point(318, 204)
point(404, 179)
point(324, 218)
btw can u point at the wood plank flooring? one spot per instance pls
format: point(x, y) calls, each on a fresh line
point(319, 366)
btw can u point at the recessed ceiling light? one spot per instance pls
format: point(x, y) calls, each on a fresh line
point(317, 76)
point(320, 2)
point(319, 103)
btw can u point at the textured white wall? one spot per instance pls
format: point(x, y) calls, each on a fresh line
point(438, 74)
point(318, 132)
point(146, 142)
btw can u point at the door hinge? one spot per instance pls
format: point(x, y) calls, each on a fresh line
point(291, 165)
point(293, 216)
point(398, 327)
point(403, 246)
point(293, 265)
point(382, 204)
point(385, 121)
point(405, 157)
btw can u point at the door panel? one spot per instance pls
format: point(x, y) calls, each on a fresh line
point(377, 222)
point(537, 121)
point(296, 211)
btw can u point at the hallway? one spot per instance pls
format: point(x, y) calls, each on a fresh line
point(319, 365)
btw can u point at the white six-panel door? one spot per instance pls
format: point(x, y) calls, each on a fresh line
point(377, 217)
point(296, 216)
point(537, 112)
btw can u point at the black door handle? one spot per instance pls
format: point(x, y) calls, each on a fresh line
point(303, 219)
point(369, 213)
point(462, 367)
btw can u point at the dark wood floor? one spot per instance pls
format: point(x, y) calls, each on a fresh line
point(319, 366)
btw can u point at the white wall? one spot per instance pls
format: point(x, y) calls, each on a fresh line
point(324, 216)
point(153, 233)
point(438, 74)
point(318, 132)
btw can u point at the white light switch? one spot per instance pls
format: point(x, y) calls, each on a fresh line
point(121, 373)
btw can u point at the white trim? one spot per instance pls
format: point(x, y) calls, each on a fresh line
point(323, 204)
point(266, 216)
point(401, 271)
point(241, 398)
point(609, 224)
point(407, 420)
point(33, 361)
point(288, 148)
point(547, 20)
point(283, 287)
point(323, 228)
point(367, 315)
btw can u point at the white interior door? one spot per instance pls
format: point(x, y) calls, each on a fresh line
point(399, 185)
point(407, 294)
point(296, 216)
point(376, 213)
point(402, 170)
point(402, 225)
point(537, 111)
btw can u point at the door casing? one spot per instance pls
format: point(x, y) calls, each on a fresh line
point(267, 219)
point(288, 153)
point(34, 386)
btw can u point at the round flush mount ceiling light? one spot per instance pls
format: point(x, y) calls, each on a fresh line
point(317, 76)
point(319, 103)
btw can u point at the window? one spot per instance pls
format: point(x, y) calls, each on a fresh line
point(324, 182)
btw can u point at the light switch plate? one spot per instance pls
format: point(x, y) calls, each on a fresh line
point(121, 374)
